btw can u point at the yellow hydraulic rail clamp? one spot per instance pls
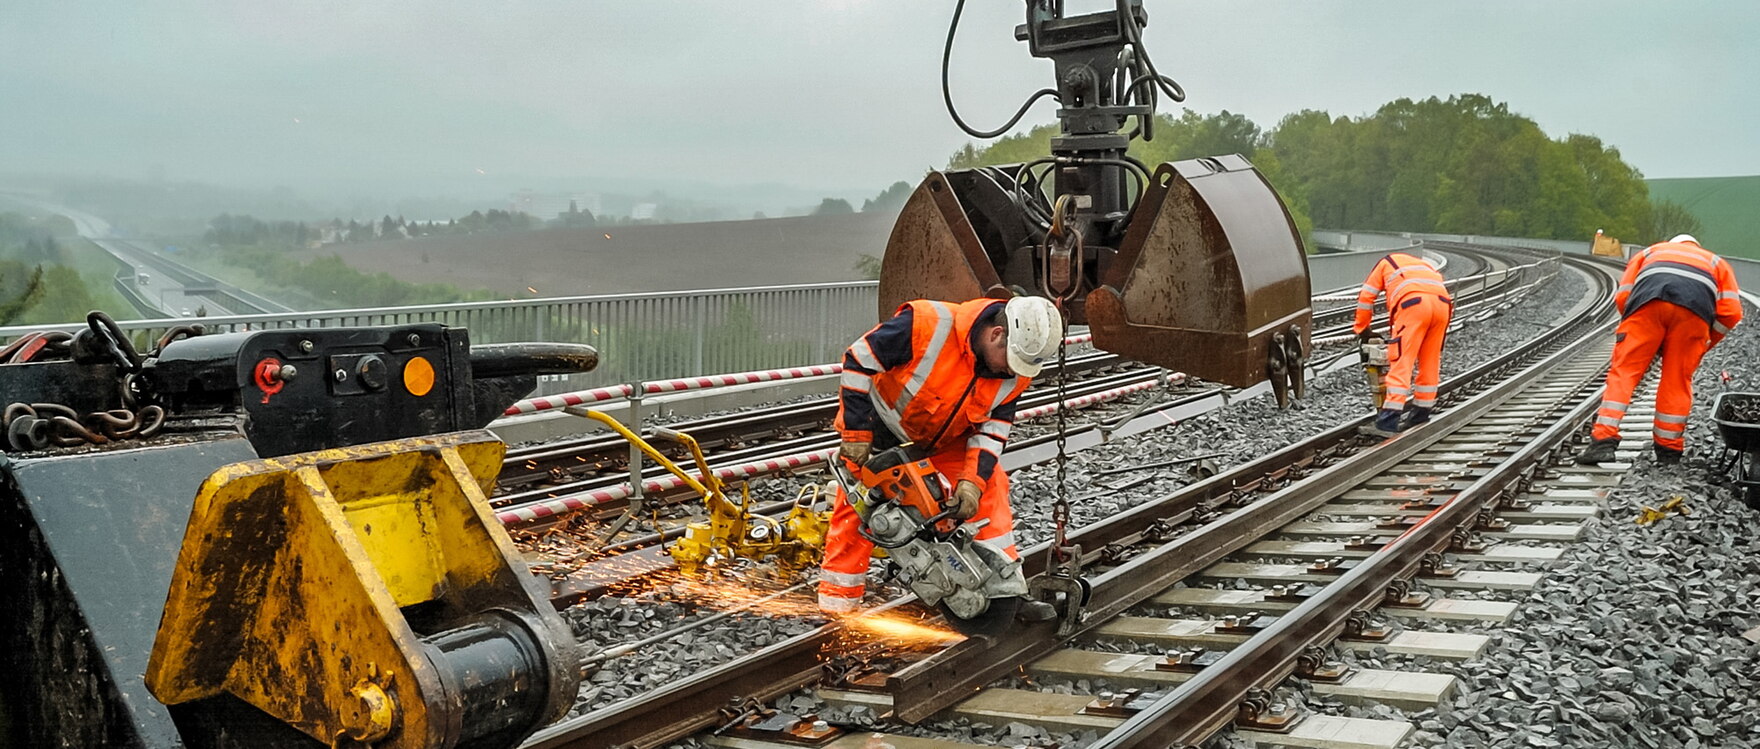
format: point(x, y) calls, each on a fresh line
point(732, 531)
point(365, 596)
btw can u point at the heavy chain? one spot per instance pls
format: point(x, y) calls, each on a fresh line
point(1060, 507)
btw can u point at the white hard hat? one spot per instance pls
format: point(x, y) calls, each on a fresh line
point(1684, 238)
point(1034, 331)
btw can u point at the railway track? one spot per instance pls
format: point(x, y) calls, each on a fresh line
point(630, 556)
point(1136, 556)
point(591, 470)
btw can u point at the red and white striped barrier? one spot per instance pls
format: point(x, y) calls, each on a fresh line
point(613, 392)
point(564, 400)
point(564, 505)
point(1093, 398)
point(596, 395)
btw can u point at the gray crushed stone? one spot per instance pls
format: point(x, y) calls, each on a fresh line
point(1244, 430)
point(1636, 637)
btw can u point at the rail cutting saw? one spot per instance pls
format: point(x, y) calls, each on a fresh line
point(902, 503)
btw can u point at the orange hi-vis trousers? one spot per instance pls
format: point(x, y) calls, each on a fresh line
point(1682, 338)
point(843, 576)
point(1419, 325)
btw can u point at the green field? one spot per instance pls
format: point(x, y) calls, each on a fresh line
point(1728, 206)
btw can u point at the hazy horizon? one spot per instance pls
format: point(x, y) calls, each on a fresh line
point(715, 102)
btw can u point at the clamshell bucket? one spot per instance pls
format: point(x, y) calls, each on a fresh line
point(934, 252)
point(1210, 280)
point(1207, 277)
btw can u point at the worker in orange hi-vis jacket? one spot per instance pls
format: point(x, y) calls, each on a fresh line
point(1677, 299)
point(944, 376)
point(1418, 311)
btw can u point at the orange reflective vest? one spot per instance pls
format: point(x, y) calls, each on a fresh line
point(1684, 274)
point(937, 399)
point(1402, 276)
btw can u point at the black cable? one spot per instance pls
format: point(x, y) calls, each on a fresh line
point(1175, 92)
point(1163, 80)
point(947, 94)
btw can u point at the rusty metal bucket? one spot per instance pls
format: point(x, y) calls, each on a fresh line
point(934, 251)
point(1208, 276)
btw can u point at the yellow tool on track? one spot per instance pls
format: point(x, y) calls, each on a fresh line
point(1675, 505)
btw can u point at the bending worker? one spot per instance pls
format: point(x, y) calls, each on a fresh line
point(1418, 310)
point(944, 376)
point(1676, 298)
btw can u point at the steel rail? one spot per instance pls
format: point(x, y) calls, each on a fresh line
point(530, 464)
point(635, 557)
point(1212, 698)
point(525, 465)
point(939, 681)
point(514, 501)
point(1202, 705)
point(685, 702)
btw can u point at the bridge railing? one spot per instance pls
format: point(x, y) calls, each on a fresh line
point(644, 336)
point(664, 335)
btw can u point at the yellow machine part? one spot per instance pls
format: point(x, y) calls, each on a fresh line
point(294, 579)
point(794, 543)
point(731, 530)
point(1607, 246)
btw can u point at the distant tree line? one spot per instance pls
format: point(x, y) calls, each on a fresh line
point(244, 231)
point(265, 248)
point(1464, 165)
point(39, 281)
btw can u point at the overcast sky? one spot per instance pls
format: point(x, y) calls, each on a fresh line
point(449, 97)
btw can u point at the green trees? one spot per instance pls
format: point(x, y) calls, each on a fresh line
point(263, 248)
point(1462, 165)
point(834, 207)
point(889, 199)
point(45, 278)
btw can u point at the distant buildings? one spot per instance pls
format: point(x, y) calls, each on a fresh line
point(548, 206)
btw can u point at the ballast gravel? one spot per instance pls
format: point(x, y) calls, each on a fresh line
point(1640, 636)
point(1242, 431)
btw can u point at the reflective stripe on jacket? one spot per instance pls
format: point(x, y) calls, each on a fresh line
point(935, 398)
point(1401, 276)
point(1685, 274)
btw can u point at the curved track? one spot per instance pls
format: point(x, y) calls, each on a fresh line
point(1135, 556)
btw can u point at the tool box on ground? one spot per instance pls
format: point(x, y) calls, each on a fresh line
point(185, 571)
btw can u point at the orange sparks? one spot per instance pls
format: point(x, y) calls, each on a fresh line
point(899, 628)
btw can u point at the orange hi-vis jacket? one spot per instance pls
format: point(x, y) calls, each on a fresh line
point(1685, 274)
point(933, 395)
point(1402, 276)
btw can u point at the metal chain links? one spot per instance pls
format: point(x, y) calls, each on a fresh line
point(1060, 507)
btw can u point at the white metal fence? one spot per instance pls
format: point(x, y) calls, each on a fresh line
point(640, 336)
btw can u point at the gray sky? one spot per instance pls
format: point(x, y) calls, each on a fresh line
point(834, 95)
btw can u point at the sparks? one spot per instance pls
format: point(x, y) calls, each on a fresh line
point(901, 629)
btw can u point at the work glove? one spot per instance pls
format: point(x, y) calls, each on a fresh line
point(1366, 336)
point(965, 499)
point(855, 452)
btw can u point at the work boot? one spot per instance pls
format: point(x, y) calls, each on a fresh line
point(1667, 456)
point(1417, 415)
point(1386, 423)
point(1035, 610)
point(1599, 451)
